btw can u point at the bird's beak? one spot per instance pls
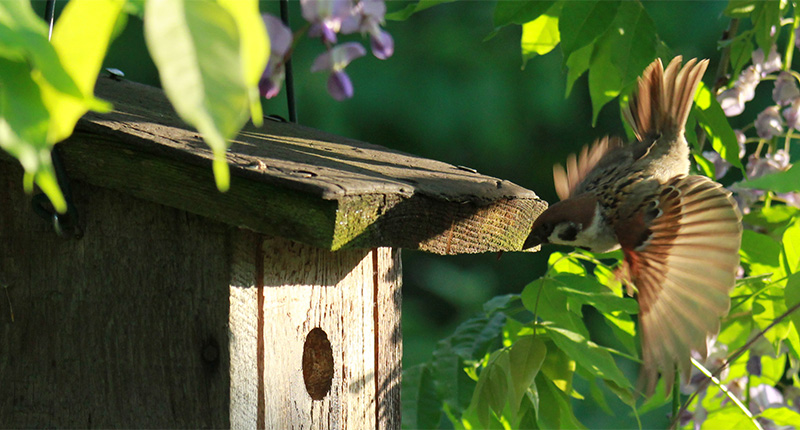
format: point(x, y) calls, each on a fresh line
point(534, 239)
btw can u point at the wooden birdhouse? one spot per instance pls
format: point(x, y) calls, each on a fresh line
point(273, 305)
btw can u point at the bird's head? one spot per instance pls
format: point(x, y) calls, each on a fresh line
point(568, 222)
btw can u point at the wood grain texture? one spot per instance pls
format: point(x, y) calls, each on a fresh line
point(123, 328)
point(306, 288)
point(297, 182)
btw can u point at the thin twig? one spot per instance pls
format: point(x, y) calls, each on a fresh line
point(702, 386)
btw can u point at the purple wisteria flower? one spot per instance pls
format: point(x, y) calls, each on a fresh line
point(772, 63)
point(769, 123)
point(335, 60)
point(327, 17)
point(785, 89)
point(791, 116)
point(280, 39)
point(372, 17)
point(733, 99)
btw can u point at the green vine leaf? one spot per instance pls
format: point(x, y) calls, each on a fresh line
point(582, 22)
point(206, 86)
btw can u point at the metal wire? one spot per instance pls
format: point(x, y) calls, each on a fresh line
point(49, 16)
point(289, 80)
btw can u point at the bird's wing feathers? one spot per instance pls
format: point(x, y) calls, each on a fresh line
point(663, 98)
point(567, 180)
point(681, 253)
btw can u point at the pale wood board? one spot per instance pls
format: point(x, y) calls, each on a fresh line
point(303, 288)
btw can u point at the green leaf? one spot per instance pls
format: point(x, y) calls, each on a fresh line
point(585, 290)
point(577, 64)
point(782, 182)
point(772, 217)
point(741, 53)
point(554, 407)
point(705, 166)
point(404, 13)
point(713, 120)
point(519, 12)
point(740, 8)
point(420, 404)
point(24, 121)
point(544, 299)
point(766, 15)
point(621, 55)
point(540, 36)
point(790, 256)
point(791, 297)
point(526, 358)
point(782, 416)
point(588, 355)
point(492, 390)
point(730, 417)
point(565, 263)
point(582, 22)
point(761, 253)
point(624, 329)
point(254, 48)
point(23, 35)
point(196, 46)
point(81, 49)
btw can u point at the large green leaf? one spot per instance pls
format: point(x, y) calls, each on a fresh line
point(196, 46)
point(81, 49)
point(790, 255)
point(526, 358)
point(582, 22)
point(621, 54)
point(761, 253)
point(588, 355)
point(782, 182)
point(577, 64)
point(766, 16)
point(24, 121)
point(585, 290)
point(541, 35)
point(254, 48)
point(420, 404)
point(782, 416)
point(543, 298)
point(791, 297)
point(519, 12)
point(711, 117)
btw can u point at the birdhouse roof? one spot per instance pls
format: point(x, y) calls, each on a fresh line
point(297, 182)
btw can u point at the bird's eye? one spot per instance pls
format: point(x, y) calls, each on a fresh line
point(569, 234)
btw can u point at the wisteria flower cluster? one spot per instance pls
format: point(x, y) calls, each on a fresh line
point(327, 19)
point(779, 120)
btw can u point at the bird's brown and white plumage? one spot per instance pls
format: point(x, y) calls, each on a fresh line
point(679, 234)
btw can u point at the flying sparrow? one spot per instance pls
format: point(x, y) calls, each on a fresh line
point(679, 234)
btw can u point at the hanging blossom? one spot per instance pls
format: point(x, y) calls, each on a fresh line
point(280, 38)
point(732, 100)
point(334, 61)
point(331, 17)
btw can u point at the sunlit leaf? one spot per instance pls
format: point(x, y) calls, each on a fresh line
point(772, 217)
point(585, 290)
point(540, 36)
point(761, 253)
point(740, 8)
point(582, 22)
point(196, 46)
point(792, 297)
point(544, 299)
point(588, 355)
point(790, 255)
point(713, 120)
point(81, 49)
point(492, 391)
point(781, 182)
point(782, 416)
point(255, 47)
point(554, 407)
point(24, 121)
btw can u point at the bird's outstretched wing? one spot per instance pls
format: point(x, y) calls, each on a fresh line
point(566, 181)
point(681, 253)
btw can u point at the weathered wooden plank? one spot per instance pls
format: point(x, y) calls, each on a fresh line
point(296, 182)
point(126, 327)
point(351, 295)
